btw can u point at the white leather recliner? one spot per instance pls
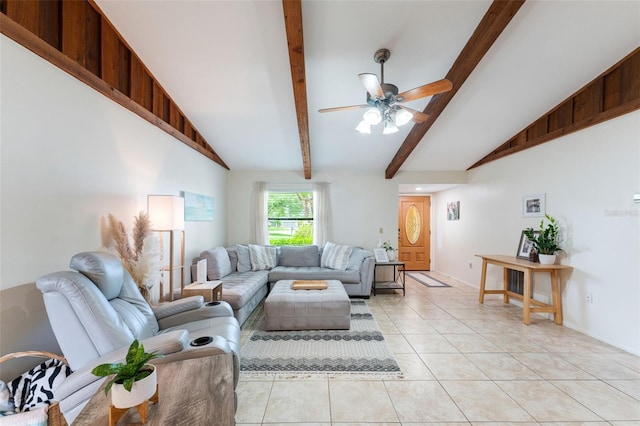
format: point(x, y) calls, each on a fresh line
point(96, 313)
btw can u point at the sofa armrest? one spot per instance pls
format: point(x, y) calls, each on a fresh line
point(366, 274)
point(178, 306)
point(208, 310)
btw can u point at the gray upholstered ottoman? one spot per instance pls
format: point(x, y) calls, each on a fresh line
point(287, 309)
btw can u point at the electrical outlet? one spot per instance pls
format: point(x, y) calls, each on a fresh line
point(380, 230)
point(589, 297)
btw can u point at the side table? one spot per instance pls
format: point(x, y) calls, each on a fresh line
point(210, 290)
point(398, 273)
point(529, 268)
point(197, 391)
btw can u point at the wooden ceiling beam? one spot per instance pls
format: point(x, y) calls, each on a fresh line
point(490, 27)
point(295, 42)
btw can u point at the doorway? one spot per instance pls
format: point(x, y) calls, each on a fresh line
point(414, 232)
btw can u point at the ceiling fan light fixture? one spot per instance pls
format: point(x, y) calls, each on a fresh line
point(363, 127)
point(372, 116)
point(389, 128)
point(403, 117)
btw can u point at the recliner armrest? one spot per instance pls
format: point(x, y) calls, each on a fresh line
point(164, 344)
point(177, 306)
point(209, 310)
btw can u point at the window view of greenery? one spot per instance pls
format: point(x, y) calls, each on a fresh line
point(290, 218)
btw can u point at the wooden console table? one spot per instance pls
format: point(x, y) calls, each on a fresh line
point(510, 262)
point(197, 391)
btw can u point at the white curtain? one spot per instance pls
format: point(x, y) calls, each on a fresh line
point(259, 221)
point(321, 213)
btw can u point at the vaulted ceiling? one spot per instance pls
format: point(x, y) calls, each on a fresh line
point(226, 64)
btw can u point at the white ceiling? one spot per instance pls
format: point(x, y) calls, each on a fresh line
point(226, 65)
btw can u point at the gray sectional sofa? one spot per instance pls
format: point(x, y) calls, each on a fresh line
point(248, 271)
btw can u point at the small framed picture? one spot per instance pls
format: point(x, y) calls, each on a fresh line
point(525, 246)
point(533, 205)
point(381, 255)
point(453, 210)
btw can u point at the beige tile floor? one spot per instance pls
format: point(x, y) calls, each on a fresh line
point(463, 363)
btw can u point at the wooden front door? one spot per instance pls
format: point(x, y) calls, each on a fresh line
point(414, 233)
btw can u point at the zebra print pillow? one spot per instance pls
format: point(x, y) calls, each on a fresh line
point(36, 386)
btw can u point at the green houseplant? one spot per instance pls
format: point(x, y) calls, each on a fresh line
point(134, 377)
point(547, 242)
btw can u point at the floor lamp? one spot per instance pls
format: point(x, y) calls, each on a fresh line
point(166, 213)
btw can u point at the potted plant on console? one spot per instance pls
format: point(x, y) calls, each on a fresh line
point(135, 381)
point(547, 242)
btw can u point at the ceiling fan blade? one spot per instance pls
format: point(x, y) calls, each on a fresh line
point(440, 86)
point(418, 117)
point(372, 84)
point(344, 108)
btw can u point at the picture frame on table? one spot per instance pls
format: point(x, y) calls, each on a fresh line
point(381, 255)
point(525, 246)
point(533, 205)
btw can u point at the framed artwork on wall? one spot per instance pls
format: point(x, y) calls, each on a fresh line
point(525, 246)
point(453, 210)
point(197, 208)
point(533, 205)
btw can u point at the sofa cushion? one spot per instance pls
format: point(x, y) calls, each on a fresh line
point(218, 263)
point(335, 256)
point(299, 256)
point(358, 255)
point(262, 257)
point(244, 260)
point(312, 273)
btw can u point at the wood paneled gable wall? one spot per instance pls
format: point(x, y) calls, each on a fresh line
point(613, 93)
point(75, 36)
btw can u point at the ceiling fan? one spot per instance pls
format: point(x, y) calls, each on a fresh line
point(384, 103)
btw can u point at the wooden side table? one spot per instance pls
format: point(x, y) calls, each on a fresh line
point(210, 290)
point(197, 391)
point(510, 262)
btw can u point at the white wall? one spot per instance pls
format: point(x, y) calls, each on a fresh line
point(68, 157)
point(589, 179)
point(361, 202)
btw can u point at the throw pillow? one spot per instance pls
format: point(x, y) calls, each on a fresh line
point(299, 256)
point(262, 257)
point(244, 260)
point(335, 256)
point(233, 257)
point(218, 263)
point(358, 255)
point(36, 386)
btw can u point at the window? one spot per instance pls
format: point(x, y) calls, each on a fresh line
point(290, 216)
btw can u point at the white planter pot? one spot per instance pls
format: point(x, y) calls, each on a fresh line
point(392, 255)
point(141, 391)
point(547, 259)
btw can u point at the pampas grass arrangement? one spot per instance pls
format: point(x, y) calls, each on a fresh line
point(143, 258)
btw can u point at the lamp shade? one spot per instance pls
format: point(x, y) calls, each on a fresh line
point(166, 212)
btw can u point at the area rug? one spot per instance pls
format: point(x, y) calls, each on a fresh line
point(361, 350)
point(426, 280)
